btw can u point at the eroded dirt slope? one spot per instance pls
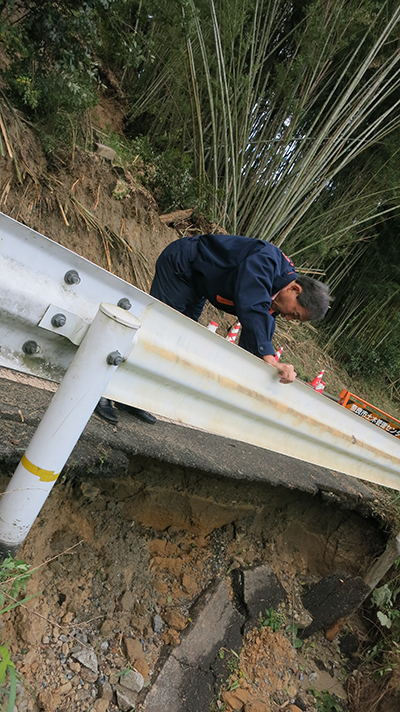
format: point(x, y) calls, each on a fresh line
point(121, 562)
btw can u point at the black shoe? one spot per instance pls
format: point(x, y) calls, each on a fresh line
point(139, 413)
point(106, 411)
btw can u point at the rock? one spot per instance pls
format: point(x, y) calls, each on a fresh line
point(301, 704)
point(105, 151)
point(133, 681)
point(127, 601)
point(106, 691)
point(294, 708)
point(334, 630)
point(171, 549)
point(82, 637)
point(30, 629)
point(100, 705)
point(114, 677)
point(56, 633)
point(141, 666)
point(174, 566)
point(75, 667)
point(175, 619)
point(160, 586)
point(88, 675)
point(259, 588)
point(256, 706)
point(89, 491)
point(171, 637)
point(133, 649)
point(158, 625)
point(63, 689)
point(157, 547)
point(45, 700)
point(292, 689)
point(122, 620)
point(140, 608)
point(30, 657)
point(126, 699)
point(137, 623)
point(87, 658)
point(189, 584)
point(81, 695)
point(236, 699)
point(107, 628)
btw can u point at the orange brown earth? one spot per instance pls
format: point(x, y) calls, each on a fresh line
point(119, 571)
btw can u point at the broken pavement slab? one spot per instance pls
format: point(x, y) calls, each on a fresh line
point(195, 670)
point(334, 597)
point(259, 589)
point(187, 680)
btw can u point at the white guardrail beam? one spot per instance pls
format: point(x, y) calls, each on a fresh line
point(178, 368)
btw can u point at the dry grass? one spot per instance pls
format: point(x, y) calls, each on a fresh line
point(365, 694)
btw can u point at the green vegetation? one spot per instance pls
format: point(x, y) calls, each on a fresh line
point(14, 576)
point(384, 598)
point(272, 619)
point(384, 653)
point(7, 666)
point(325, 702)
point(276, 621)
point(278, 120)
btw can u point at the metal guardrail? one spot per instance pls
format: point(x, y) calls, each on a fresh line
point(178, 368)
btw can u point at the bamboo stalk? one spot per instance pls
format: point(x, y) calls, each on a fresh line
point(64, 217)
point(4, 132)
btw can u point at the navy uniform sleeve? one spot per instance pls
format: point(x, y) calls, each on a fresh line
point(253, 292)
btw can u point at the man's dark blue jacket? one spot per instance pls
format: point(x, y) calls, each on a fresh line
point(237, 274)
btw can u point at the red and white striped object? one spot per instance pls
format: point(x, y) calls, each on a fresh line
point(320, 387)
point(232, 336)
point(278, 353)
point(315, 381)
point(212, 326)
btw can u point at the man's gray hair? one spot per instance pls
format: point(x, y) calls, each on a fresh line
point(314, 297)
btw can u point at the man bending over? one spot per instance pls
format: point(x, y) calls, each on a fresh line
point(243, 276)
point(249, 278)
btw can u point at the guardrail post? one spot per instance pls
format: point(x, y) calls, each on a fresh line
point(108, 341)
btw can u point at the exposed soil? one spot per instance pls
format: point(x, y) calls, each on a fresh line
point(122, 561)
point(105, 573)
point(115, 557)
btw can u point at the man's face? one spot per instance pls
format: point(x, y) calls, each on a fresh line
point(287, 305)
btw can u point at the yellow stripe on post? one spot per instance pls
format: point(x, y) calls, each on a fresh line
point(44, 475)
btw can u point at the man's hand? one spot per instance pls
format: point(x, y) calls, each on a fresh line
point(286, 370)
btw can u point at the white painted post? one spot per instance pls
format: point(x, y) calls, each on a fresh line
point(108, 341)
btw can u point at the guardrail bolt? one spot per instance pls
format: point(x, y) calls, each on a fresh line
point(114, 358)
point(124, 303)
point(72, 277)
point(58, 320)
point(30, 347)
